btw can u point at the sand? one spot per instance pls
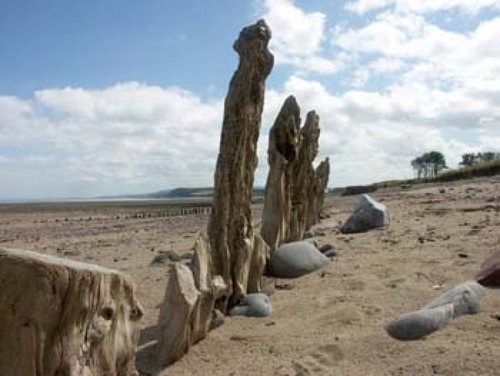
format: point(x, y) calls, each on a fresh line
point(329, 322)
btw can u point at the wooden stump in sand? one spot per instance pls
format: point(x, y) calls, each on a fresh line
point(284, 143)
point(62, 317)
point(303, 176)
point(317, 193)
point(230, 229)
point(229, 260)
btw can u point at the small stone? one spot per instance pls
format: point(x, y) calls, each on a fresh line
point(284, 286)
point(165, 256)
point(326, 247)
point(253, 305)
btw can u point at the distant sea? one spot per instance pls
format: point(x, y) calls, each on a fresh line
point(107, 199)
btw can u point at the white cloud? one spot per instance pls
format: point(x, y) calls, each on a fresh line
point(426, 85)
point(125, 134)
point(372, 136)
point(422, 6)
point(297, 36)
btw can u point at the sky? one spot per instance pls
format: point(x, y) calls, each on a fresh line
point(104, 97)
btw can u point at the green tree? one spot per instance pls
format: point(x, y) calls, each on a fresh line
point(429, 164)
point(468, 159)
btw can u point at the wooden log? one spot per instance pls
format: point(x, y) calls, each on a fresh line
point(317, 193)
point(284, 143)
point(62, 317)
point(176, 314)
point(304, 177)
point(260, 257)
point(187, 310)
point(229, 259)
point(230, 228)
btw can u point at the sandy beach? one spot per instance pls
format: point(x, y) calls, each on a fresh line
point(327, 323)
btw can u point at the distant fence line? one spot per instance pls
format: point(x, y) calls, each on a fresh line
point(174, 212)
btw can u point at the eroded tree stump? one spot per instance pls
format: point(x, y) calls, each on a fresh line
point(230, 229)
point(284, 144)
point(62, 317)
point(304, 177)
point(317, 195)
point(229, 260)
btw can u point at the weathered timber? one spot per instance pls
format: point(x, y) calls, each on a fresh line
point(284, 144)
point(303, 177)
point(62, 317)
point(317, 195)
point(229, 260)
point(230, 229)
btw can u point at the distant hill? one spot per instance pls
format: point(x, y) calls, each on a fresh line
point(182, 192)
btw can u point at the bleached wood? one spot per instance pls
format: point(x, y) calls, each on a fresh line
point(230, 228)
point(284, 143)
point(62, 317)
point(177, 313)
point(304, 177)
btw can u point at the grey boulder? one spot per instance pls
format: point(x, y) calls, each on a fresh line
point(296, 259)
point(463, 299)
point(253, 305)
point(369, 214)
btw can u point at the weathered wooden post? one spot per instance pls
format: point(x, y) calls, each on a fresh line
point(283, 149)
point(229, 260)
point(303, 176)
point(62, 317)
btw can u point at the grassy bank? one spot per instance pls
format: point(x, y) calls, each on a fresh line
point(479, 170)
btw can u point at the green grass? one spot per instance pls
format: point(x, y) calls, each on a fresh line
point(481, 169)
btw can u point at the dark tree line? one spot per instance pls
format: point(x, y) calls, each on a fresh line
point(470, 159)
point(429, 164)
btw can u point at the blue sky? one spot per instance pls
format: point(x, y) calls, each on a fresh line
point(109, 97)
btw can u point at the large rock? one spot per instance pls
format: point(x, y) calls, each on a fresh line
point(62, 317)
point(489, 275)
point(463, 299)
point(296, 259)
point(369, 214)
point(253, 305)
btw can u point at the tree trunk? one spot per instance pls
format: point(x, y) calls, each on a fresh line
point(317, 196)
point(62, 317)
point(230, 227)
point(303, 177)
point(230, 261)
point(284, 144)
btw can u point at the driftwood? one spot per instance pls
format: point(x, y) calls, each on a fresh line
point(229, 260)
point(230, 229)
point(317, 198)
point(177, 312)
point(61, 317)
point(187, 311)
point(303, 177)
point(284, 144)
